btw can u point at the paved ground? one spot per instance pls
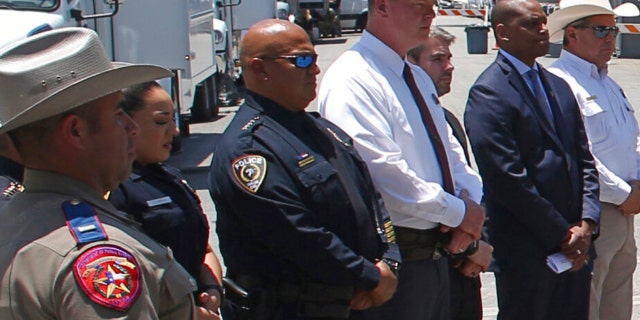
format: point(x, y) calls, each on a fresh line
point(196, 155)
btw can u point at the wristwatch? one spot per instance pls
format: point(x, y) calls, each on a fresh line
point(394, 266)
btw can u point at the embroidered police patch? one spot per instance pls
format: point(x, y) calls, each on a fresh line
point(109, 276)
point(249, 171)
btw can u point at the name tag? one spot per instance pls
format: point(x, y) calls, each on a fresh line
point(159, 201)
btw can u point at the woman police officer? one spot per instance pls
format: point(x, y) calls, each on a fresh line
point(158, 196)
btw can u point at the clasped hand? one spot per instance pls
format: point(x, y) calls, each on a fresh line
point(469, 229)
point(387, 285)
point(576, 244)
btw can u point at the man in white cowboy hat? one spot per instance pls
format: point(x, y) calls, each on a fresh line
point(588, 32)
point(66, 252)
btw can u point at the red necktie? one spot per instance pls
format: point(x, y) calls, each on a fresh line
point(427, 120)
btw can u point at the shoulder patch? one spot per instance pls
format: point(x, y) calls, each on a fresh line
point(109, 276)
point(249, 171)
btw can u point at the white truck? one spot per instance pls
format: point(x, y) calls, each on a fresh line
point(176, 34)
point(239, 16)
point(352, 13)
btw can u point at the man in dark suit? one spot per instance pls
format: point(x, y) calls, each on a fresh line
point(541, 187)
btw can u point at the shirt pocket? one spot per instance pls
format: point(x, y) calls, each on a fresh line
point(323, 188)
point(595, 120)
point(158, 218)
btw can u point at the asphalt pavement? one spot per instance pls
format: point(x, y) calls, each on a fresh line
point(197, 149)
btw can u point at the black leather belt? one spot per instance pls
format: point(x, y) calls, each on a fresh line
point(313, 300)
point(418, 244)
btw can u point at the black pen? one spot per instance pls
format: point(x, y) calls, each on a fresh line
point(586, 262)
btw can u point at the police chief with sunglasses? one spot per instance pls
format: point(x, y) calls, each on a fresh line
point(302, 230)
point(588, 31)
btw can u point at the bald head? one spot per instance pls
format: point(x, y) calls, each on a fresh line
point(268, 38)
point(504, 11)
point(520, 28)
point(278, 62)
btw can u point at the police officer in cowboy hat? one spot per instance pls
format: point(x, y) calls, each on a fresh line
point(66, 252)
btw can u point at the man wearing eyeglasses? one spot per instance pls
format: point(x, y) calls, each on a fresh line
point(302, 230)
point(588, 32)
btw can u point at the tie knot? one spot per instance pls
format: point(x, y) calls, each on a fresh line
point(533, 74)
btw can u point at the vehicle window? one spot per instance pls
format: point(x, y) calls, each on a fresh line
point(29, 4)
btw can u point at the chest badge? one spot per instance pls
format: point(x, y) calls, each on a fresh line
point(109, 276)
point(249, 171)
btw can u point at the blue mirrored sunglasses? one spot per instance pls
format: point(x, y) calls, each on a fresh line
point(602, 31)
point(302, 61)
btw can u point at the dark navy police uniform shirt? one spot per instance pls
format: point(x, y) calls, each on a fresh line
point(283, 212)
point(158, 196)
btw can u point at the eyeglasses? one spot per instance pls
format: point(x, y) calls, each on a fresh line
point(302, 61)
point(602, 31)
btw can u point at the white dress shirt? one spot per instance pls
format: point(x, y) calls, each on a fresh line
point(365, 94)
point(609, 121)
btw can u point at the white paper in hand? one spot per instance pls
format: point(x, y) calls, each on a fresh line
point(559, 263)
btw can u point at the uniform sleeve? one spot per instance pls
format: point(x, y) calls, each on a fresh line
point(54, 292)
point(277, 215)
point(613, 189)
point(361, 111)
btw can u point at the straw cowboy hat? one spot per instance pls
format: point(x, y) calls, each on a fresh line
point(56, 71)
point(573, 10)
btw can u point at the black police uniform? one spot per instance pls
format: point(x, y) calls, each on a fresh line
point(159, 197)
point(286, 221)
point(11, 174)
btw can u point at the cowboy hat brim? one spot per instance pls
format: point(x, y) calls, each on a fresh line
point(76, 94)
point(560, 19)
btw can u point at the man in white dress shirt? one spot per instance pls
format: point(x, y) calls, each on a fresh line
point(368, 93)
point(588, 31)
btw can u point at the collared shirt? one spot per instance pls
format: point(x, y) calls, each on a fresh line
point(39, 254)
point(523, 69)
point(609, 121)
point(365, 94)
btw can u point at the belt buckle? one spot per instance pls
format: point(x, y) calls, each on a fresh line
point(436, 254)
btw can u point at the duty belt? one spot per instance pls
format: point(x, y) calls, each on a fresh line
point(313, 300)
point(420, 244)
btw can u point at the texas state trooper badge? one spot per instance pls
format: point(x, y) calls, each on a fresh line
point(249, 171)
point(109, 276)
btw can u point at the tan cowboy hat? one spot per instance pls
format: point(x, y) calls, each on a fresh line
point(56, 71)
point(573, 10)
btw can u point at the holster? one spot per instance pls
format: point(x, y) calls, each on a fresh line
point(418, 244)
point(256, 299)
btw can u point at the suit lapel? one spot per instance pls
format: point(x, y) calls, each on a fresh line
point(553, 100)
point(518, 82)
point(559, 115)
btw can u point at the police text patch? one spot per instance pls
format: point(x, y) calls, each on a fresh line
point(249, 171)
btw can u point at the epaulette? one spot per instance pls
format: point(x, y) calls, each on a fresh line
point(251, 123)
point(83, 223)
